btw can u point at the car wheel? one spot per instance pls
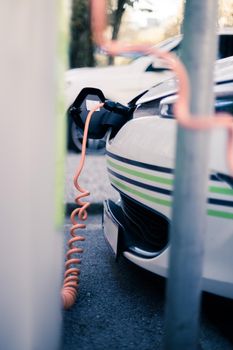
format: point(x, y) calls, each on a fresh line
point(75, 138)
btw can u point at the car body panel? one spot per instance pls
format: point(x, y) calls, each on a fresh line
point(140, 162)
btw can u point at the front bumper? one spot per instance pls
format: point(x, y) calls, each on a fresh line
point(122, 241)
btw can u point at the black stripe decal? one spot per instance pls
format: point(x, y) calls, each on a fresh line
point(224, 82)
point(220, 202)
point(140, 184)
point(165, 191)
point(140, 164)
point(149, 166)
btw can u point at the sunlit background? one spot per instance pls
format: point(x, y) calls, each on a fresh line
point(133, 21)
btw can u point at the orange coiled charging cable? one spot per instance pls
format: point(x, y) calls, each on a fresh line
point(71, 279)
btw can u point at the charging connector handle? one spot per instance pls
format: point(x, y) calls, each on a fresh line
point(117, 107)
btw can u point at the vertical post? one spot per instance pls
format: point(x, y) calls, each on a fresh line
point(191, 176)
point(30, 245)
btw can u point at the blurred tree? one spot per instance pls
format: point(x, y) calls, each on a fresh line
point(81, 52)
point(116, 12)
point(117, 9)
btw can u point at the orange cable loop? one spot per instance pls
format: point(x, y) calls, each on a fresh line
point(71, 280)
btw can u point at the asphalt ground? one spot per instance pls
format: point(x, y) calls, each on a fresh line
point(121, 306)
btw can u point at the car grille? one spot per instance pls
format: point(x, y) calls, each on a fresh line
point(148, 227)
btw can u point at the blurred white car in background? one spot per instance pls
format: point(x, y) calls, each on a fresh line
point(125, 82)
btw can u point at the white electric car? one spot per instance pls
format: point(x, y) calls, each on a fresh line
point(140, 151)
point(140, 164)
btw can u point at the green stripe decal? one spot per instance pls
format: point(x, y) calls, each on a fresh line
point(167, 203)
point(140, 174)
point(220, 214)
point(221, 190)
point(162, 180)
point(141, 194)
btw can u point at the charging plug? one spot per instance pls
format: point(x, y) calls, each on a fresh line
point(117, 107)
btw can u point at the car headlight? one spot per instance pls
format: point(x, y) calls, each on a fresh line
point(166, 107)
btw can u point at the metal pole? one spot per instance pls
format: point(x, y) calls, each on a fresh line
point(30, 245)
point(191, 176)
